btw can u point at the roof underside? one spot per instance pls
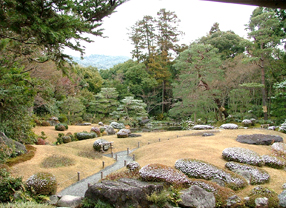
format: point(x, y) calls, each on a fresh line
point(264, 3)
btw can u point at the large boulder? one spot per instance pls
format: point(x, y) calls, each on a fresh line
point(15, 146)
point(123, 133)
point(123, 193)
point(259, 139)
point(110, 130)
point(116, 125)
point(69, 201)
point(282, 199)
point(196, 196)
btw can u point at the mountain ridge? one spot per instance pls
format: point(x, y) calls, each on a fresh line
point(100, 61)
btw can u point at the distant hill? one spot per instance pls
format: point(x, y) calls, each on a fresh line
point(100, 61)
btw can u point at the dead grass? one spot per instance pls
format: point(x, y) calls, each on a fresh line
point(172, 146)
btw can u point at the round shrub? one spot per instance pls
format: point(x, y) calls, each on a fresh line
point(45, 123)
point(96, 130)
point(258, 176)
point(85, 135)
point(246, 122)
point(163, 173)
point(202, 170)
point(40, 141)
point(42, 183)
point(274, 162)
point(260, 192)
point(242, 155)
point(101, 142)
point(133, 166)
point(66, 139)
point(61, 127)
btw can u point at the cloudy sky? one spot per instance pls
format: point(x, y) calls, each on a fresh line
point(196, 17)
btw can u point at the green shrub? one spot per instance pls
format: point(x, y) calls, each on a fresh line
point(56, 161)
point(9, 186)
point(260, 192)
point(42, 183)
point(60, 139)
point(63, 118)
point(66, 139)
point(87, 203)
point(158, 199)
point(45, 123)
point(61, 127)
point(85, 135)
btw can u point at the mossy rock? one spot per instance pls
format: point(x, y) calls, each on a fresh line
point(61, 127)
point(42, 183)
point(66, 139)
point(260, 192)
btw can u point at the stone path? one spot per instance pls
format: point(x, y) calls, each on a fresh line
point(79, 188)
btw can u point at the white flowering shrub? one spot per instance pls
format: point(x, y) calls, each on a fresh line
point(133, 166)
point(242, 155)
point(279, 147)
point(200, 169)
point(42, 183)
point(258, 176)
point(274, 162)
point(229, 126)
point(246, 122)
point(282, 127)
point(163, 173)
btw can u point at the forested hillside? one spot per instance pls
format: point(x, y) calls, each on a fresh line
point(100, 61)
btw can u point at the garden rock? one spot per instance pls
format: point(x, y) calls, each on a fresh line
point(207, 134)
point(17, 147)
point(196, 196)
point(259, 139)
point(101, 145)
point(116, 125)
point(282, 199)
point(109, 130)
point(261, 202)
point(279, 147)
point(233, 201)
point(123, 133)
point(202, 127)
point(246, 122)
point(144, 121)
point(96, 130)
point(229, 126)
point(123, 193)
point(70, 201)
point(100, 123)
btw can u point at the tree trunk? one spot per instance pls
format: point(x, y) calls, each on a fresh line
point(163, 95)
point(264, 102)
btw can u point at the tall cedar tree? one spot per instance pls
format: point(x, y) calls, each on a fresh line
point(262, 29)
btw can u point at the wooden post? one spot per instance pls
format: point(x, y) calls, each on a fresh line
point(88, 185)
point(116, 157)
point(78, 176)
point(138, 144)
point(101, 173)
point(128, 151)
point(124, 162)
point(133, 157)
point(111, 154)
point(177, 136)
point(148, 142)
point(102, 164)
point(168, 138)
point(159, 140)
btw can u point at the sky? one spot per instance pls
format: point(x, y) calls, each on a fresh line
point(197, 18)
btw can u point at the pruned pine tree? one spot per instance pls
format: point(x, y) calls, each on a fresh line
point(199, 68)
point(131, 110)
point(262, 29)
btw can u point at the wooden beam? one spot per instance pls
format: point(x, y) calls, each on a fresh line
point(264, 3)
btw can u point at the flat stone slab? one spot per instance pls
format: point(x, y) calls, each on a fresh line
point(259, 139)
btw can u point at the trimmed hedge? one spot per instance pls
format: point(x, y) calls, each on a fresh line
point(242, 155)
point(258, 176)
point(274, 162)
point(202, 170)
point(85, 135)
